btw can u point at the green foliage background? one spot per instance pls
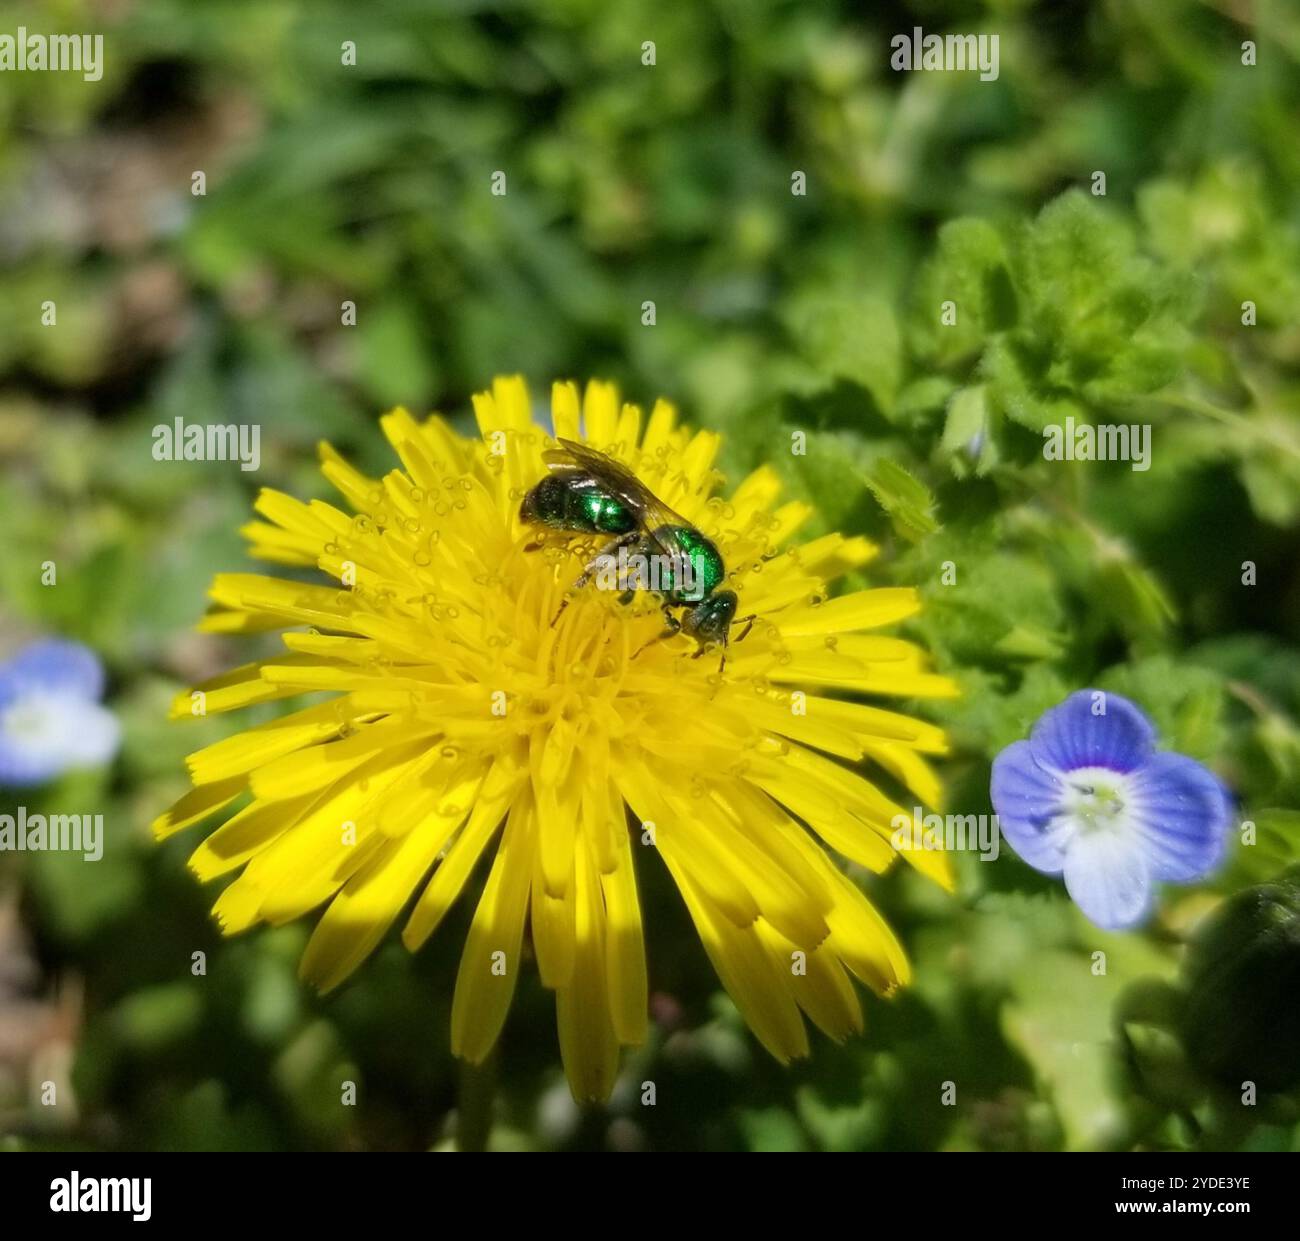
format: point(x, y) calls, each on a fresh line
point(775, 313)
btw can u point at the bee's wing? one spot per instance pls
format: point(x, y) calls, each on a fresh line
point(651, 512)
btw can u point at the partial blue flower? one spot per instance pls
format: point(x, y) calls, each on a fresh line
point(1089, 797)
point(51, 719)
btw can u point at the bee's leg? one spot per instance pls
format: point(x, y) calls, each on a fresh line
point(672, 626)
point(610, 549)
point(744, 633)
point(722, 663)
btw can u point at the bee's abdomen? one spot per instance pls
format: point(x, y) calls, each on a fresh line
point(606, 513)
point(547, 503)
point(576, 504)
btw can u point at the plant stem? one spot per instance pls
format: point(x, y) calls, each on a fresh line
point(478, 1088)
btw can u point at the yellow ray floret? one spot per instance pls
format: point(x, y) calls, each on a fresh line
point(458, 714)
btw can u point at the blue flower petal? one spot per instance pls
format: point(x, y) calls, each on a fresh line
point(52, 666)
point(1181, 813)
point(1071, 736)
point(1107, 876)
point(1026, 797)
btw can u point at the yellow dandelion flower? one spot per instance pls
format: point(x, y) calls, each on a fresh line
point(467, 720)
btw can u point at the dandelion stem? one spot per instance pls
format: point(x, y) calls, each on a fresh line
point(478, 1088)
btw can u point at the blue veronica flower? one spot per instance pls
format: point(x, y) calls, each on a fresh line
point(1089, 797)
point(50, 716)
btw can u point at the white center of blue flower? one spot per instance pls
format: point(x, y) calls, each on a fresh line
point(43, 733)
point(1095, 798)
point(35, 721)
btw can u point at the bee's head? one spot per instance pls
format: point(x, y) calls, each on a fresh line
point(709, 621)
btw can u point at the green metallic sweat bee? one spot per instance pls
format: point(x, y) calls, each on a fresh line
point(589, 493)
